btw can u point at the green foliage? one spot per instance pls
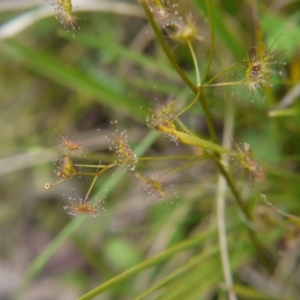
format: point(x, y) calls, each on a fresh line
point(171, 128)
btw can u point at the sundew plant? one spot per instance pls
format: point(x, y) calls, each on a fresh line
point(150, 149)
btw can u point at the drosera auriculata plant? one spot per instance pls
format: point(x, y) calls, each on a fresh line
point(257, 73)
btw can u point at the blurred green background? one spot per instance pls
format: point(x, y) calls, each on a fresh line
point(52, 83)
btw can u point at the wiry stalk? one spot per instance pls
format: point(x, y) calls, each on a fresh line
point(221, 205)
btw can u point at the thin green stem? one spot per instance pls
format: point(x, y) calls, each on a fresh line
point(233, 188)
point(241, 205)
point(167, 50)
point(225, 83)
point(91, 187)
point(221, 73)
point(90, 166)
point(179, 271)
point(181, 73)
point(85, 174)
point(182, 126)
point(167, 157)
point(50, 185)
point(207, 112)
point(221, 204)
point(198, 78)
point(208, 118)
point(190, 105)
point(187, 165)
point(212, 39)
point(104, 169)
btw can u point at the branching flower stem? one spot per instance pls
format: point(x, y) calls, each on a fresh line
point(182, 74)
point(104, 169)
point(194, 141)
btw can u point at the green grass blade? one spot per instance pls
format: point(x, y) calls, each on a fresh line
point(223, 30)
point(72, 78)
point(150, 262)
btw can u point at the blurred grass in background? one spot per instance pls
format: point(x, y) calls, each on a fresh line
point(53, 84)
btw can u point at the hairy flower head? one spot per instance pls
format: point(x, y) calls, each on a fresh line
point(258, 68)
point(161, 10)
point(154, 187)
point(186, 30)
point(66, 168)
point(151, 187)
point(83, 207)
point(258, 73)
point(119, 143)
point(163, 116)
point(64, 14)
point(70, 147)
point(246, 161)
